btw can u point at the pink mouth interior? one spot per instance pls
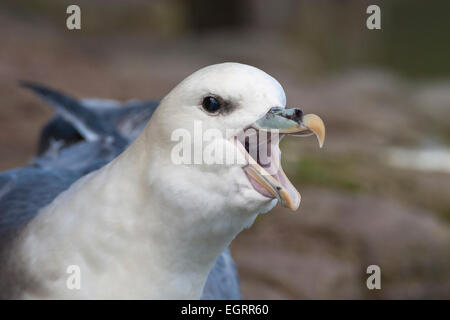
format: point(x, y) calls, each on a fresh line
point(258, 187)
point(261, 149)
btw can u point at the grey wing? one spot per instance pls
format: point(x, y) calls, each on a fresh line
point(24, 191)
point(223, 280)
point(128, 118)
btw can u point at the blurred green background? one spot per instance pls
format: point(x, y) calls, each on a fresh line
point(378, 193)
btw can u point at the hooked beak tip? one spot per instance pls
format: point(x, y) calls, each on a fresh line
point(315, 124)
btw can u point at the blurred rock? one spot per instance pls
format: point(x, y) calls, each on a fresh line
point(323, 250)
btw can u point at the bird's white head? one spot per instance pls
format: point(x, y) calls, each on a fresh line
point(215, 139)
point(205, 165)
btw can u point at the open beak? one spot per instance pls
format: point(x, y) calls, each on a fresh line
point(278, 122)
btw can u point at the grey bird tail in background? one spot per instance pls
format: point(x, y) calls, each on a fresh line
point(86, 122)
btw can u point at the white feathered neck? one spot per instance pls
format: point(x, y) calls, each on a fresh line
point(140, 227)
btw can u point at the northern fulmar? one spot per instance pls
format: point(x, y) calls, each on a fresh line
point(138, 213)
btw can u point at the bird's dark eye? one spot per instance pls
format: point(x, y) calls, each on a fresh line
point(211, 104)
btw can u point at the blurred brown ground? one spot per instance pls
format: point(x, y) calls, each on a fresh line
point(357, 210)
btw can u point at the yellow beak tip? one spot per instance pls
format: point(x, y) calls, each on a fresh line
point(316, 125)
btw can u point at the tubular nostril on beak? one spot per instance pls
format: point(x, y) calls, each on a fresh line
point(298, 115)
